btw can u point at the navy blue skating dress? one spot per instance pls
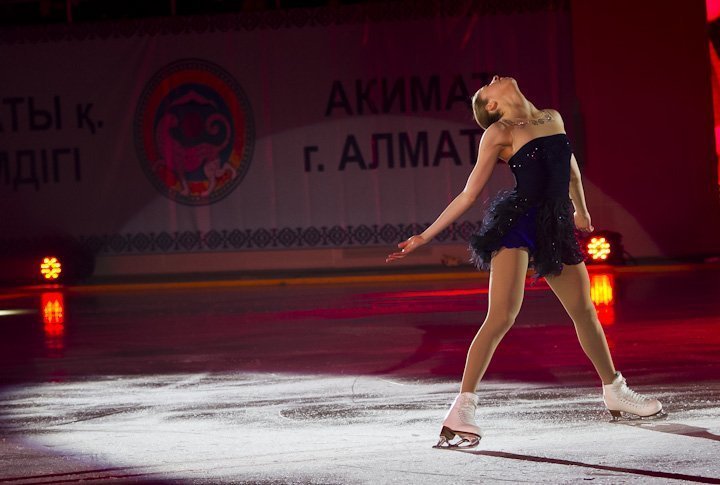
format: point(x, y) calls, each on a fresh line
point(537, 213)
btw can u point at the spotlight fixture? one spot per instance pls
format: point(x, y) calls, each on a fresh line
point(50, 268)
point(598, 248)
point(45, 260)
point(605, 247)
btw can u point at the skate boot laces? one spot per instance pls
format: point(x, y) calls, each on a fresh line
point(629, 394)
point(620, 398)
point(466, 410)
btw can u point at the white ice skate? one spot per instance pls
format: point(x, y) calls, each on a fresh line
point(460, 422)
point(620, 398)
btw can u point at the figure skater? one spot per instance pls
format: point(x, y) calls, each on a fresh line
point(532, 225)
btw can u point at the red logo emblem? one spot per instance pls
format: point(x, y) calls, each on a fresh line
point(194, 132)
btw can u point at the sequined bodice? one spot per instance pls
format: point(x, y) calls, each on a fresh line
point(542, 167)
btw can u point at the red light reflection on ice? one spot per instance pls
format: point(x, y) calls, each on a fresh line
point(602, 293)
point(52, 309)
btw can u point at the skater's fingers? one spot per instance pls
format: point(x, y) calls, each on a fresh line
point(393, 257)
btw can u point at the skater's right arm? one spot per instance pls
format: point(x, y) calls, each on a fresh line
point(494, 140)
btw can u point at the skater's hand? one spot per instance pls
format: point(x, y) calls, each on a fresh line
point(582, 222)
point(408, 246)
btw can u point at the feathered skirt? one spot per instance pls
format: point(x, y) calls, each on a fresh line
point(545, 226)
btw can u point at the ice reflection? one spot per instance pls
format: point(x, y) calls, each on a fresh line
point(52, 309)
point(602, 293)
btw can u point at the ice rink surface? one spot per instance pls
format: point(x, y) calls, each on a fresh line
point(350, 383)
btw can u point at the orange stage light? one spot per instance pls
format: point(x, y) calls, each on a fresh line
point(599, 248)
point(604, 247)
point(50, 268)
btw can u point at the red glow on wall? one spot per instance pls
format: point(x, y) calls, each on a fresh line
point(713, 18)
point(713, 9)
point(437, 293)
point(540, 286)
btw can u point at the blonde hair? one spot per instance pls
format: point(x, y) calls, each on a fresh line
point(481, 115)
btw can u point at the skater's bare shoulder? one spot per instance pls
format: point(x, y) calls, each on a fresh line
point(555, 115)
point(497, 137)
point(496, 142)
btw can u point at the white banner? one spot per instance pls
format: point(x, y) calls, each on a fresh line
point(307, 128)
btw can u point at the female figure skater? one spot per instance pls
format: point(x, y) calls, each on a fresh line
point(531, 225)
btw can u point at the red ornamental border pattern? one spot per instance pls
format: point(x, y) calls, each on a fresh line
point(362, 235)
point(274, 19)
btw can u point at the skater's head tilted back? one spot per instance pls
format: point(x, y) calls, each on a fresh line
point(489, 101)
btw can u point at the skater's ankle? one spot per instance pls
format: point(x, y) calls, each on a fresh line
point(606, 381)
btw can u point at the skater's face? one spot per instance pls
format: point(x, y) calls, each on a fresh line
point(496, 88)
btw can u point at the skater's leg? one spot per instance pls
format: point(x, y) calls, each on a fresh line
point(508, 269)
point(572, 288)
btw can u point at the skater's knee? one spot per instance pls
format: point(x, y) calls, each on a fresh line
point(497, 324)
point(584, 314)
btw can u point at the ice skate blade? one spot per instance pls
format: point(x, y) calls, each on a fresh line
point(617, 416)
point(465, 440)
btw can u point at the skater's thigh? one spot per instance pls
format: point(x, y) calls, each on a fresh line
point(572, 287)
point(508, 269)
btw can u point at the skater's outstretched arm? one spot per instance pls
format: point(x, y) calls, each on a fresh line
point(493, 141)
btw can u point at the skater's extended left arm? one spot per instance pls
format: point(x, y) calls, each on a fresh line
point(493, 141)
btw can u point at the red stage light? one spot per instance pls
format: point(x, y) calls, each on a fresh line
point(50, 268)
